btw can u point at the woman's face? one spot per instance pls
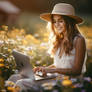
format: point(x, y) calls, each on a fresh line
point(59, 24)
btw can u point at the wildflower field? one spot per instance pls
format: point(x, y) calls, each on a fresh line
point(36, 47)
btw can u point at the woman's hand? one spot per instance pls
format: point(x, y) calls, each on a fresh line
point(42, 70)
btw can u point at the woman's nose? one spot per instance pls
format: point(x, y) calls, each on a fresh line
point(57, 24)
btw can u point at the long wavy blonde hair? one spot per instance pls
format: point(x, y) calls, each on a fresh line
point(63, 41)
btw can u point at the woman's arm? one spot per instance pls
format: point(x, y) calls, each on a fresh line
point(51, 66)
point(80, 49)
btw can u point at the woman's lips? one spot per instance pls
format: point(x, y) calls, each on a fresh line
point(59, 30)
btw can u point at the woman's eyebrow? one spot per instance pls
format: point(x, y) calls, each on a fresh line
point(59, 19)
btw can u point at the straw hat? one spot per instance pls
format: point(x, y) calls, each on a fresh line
point(62, 9)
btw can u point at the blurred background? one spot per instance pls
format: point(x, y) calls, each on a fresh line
point(23, 22)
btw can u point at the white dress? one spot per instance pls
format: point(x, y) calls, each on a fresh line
point(67, 61)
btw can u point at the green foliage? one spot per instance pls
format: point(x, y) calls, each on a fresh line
point(7, 61)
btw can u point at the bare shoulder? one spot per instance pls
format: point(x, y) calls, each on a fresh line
point(80, 41)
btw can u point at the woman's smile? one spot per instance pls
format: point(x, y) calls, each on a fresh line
point(59, 29)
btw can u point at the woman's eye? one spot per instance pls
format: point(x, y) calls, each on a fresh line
point(60, 21)
point(54, 22)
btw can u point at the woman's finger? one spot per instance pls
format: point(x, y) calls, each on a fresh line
point(36, 69)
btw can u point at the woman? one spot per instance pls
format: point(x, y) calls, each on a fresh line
point(68, 45)
point(69, 48)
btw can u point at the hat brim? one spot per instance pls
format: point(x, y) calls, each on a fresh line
point(47, 17)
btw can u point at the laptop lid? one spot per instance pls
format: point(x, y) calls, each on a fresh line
point(23, 64)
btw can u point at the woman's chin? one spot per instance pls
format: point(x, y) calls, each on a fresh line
point(60, 32)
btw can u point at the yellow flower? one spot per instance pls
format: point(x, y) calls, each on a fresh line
point(45, 39)
point(66, 77)
point(31, 38)
point(10, 89)
point(24, 42)
point(10, 83)
point(66, 82)
point(1, 60)
point(1, 65)
point(9, 50)
point(5, 27)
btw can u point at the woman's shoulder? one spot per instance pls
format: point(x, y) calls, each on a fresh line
point(79, 36)
point(79, 39)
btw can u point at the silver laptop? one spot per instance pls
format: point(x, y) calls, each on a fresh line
point(25, 67)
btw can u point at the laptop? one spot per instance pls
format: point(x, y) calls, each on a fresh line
point(25, 67)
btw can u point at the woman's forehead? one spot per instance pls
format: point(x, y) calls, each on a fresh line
point(56, 16)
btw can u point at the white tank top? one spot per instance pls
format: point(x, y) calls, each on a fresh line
point(67, 61)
